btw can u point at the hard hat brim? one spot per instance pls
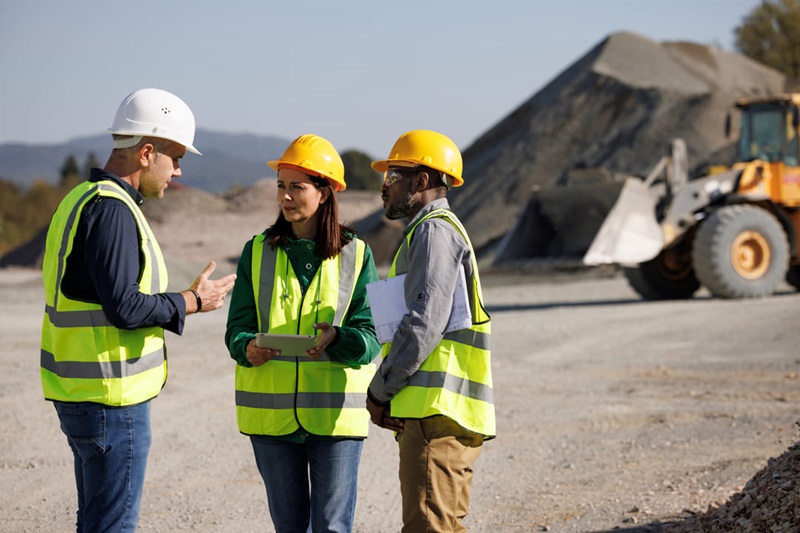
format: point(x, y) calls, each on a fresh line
point(383, 164)
point(189, 147)
point(380, 166)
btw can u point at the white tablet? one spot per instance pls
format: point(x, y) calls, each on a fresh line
point(293, 345)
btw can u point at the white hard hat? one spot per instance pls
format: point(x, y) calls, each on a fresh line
point(155, 113)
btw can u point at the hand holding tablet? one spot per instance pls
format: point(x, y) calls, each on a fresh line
point(292, 345)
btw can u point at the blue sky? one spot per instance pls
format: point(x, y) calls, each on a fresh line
point(359, 73)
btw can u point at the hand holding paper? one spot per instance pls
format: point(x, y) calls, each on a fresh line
point(388, 304)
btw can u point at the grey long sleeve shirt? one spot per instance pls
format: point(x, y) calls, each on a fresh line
point(431, 263)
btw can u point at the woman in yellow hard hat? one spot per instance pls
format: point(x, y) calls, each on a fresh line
point(305, 275)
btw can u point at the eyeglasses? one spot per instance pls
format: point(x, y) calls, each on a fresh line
point(393, 175)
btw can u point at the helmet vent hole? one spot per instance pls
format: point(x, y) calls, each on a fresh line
point(165, 110)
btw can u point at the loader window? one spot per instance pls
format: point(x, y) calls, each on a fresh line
point(767, 134)
point(792, 147)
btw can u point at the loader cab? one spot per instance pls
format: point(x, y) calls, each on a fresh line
point(769, 132)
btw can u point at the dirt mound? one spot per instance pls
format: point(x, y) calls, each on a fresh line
point(257, 196)
point(29, 254)
point(618, 107)
point(180, 202)
point(769, 502)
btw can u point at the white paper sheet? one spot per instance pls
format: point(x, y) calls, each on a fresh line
point(388, 304)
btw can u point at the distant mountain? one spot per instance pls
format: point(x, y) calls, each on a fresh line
point(228, 159)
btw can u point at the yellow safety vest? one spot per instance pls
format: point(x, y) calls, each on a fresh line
point(83, 357)
point(323, 396)
point(455, 380)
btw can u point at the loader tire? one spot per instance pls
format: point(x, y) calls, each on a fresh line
point(793, 276)
point(669, 276)
point(740, 251)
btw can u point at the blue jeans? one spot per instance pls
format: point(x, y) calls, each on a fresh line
point(110, 446)
point(331, 466)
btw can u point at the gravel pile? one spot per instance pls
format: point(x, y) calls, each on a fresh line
point(617, 107)
point(769, 503)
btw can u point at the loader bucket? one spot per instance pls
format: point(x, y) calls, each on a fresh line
point(558, 223)
point(630, 234)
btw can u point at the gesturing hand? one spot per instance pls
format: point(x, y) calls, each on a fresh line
point(212, 292)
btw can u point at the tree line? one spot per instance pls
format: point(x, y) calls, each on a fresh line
point(770, 34)
point(25, 211)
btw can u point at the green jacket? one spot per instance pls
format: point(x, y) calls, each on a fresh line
point(355, 343)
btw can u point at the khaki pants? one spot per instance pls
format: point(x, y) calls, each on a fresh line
point(436, 457)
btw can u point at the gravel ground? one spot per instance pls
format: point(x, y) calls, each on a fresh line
point(613, 414)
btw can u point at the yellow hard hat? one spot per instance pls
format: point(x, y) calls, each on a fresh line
point(316, 155)
point(428, 148)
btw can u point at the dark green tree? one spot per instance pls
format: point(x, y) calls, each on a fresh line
point(24, 212)
point(91, 162)
point(770, 34)
point(69, 169)
point(358, 173)
point(70, 174)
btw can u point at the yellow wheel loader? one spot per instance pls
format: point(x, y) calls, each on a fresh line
point(733, 231)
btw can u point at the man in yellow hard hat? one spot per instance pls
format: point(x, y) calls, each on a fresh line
point(434, 386)
point(103, 356)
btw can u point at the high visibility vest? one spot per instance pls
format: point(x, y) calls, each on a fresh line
point(455, 380)
point(323, 396)
point(83, 357)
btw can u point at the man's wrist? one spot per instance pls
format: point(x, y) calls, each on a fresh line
point(375, 400)
point(198, 300)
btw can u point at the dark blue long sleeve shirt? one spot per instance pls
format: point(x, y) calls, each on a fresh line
point(106, 263)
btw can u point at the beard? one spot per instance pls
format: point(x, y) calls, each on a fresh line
point(402, 209)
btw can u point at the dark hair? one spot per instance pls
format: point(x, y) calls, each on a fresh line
point(331, 236)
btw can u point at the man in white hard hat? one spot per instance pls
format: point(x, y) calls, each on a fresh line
point(103, 356)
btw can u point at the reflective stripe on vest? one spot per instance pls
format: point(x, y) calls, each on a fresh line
point(84, 357)
point(323, 396)
point(455, 380)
